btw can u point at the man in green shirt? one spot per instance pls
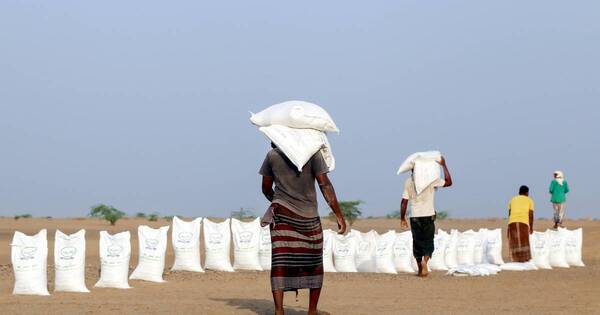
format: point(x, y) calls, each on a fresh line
point(559, 189)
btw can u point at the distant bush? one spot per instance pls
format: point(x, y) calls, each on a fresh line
point(108, 213)
point(168, 218)
point(393, 215)
point(153, 217)
point(242, 214)
point(441, 215)
point(350, 211)
point(140, 215)
point(23, 216)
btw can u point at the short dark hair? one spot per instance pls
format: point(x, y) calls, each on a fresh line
point(523, 190)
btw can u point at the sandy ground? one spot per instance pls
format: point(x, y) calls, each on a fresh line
point(559, 291)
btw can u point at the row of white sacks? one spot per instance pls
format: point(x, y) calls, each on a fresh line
point(390, 252)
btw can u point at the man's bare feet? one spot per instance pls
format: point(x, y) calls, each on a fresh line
point(420, 265)
point(424, 268)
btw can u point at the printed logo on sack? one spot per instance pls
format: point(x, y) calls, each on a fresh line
point(185, 237)
point(364, 246)
point(266, 239)
point(151, 244)
point(246, 239)
point(68, 253)
point(215, 238)
point(400, 249)
point(342, 249)
point(114, 250)
point(382, 248)
point(28, 253)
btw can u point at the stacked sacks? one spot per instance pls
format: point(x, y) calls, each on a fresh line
point(69, 262)
point(298, 129)
point(403, 254)
point(246, 244)
point(561, 248)
point(540, 249)
point(29, 257)
point(425, 168)
point(186, 244)
point(115, 253)
point(152, 252)
point(217, 242)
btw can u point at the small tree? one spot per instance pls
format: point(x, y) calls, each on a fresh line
point(350, 210)
point(153, 217)
point(108, 213)
point(140, 215)
point(442, 215)
point(242, 214)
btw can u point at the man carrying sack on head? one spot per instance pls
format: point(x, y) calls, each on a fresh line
point(422, 215)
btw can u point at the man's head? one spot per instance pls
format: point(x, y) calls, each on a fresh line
point(524, 190)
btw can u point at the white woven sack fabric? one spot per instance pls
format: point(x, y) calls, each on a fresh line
point(246, 244)
point(437, 261)
point(69, 262)
point(295, 114)
point(573, 247)
point(493, 247)
point(466, 248)
point(450, 256)
point(344, 253)
point(152, 252)
point(265, 248)
point(115, 253)
point(365, 250)
point(558, 248)
point(217, 245)
point(403, 255)
point(425, 168)
point(29, 257)
point(384, 253)
point(185, 238)
point(328, 236)
point(479, 248)
point(540, 249)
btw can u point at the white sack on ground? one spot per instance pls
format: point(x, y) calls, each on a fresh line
point(540, 249)
point(558, 243)
point(451, 250)
point(217, 243)
point(265, 249)
point(425, 168)
point(295, 114)
point(186, 245)
point(299, 145)
point(479, 248)
point(516, 266)
point(328, 236)
point(574, 242)
point(152, 252)
point(115, 253)
point(246, 244)
point(344, 253)
point(384, 253)
point(475, 270)
point(437, 261)
point(465, 248)
point(493, 247)
point(69, 262)
point(29, 257)
point(365, 251)
point(403, 255)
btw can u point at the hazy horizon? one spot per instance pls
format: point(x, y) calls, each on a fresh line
point(145, 106)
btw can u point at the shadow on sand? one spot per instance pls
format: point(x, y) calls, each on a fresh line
point(259, 306)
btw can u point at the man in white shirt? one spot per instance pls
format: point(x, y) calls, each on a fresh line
point(422, 216)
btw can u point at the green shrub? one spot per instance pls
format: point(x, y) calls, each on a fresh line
point(140, 215)
point(441, 215)
point(153, 217)
point(350, 210)
point(108, 213)
point(23, 216)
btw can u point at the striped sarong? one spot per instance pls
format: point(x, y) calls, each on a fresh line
point(518, 242)
point(297, 251)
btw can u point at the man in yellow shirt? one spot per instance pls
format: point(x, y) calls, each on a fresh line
point(520, 225)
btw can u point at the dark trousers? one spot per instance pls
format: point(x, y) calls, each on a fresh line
point(423, 232)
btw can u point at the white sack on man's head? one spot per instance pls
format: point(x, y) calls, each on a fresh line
point(299, 145)
point(425, 168)
point(295, 114)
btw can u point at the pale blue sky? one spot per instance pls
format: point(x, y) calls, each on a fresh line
point(144, 104)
